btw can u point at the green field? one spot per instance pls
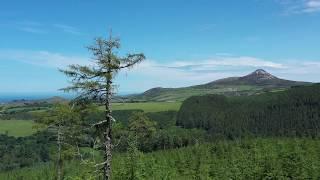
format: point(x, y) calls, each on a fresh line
point(21, 128)
point(17, 128)
point(148, 106)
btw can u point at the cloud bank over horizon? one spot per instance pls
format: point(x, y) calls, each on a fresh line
point(154, 73)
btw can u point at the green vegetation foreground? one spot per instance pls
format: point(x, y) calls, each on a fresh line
point(247, 159)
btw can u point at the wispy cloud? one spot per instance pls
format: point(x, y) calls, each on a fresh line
point(312, 6)
point(33, 30)
point(152, 73)
point(204, 70)
point(29, 23)
point(300, 6)
point(31, 27)
point(41, 28)
point(226, 61)
point(186, 73)
point(42, 58)
point(67, 29)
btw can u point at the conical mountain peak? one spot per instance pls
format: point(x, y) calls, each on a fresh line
point(260, 74)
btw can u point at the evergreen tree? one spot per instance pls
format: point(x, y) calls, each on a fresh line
point(95, 82)
point(143, 129)
point(59, 119)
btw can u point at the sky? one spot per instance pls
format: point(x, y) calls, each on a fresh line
point(186, 42)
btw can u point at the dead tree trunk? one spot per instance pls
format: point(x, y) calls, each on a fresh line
point(108, 127)
point(59, 160)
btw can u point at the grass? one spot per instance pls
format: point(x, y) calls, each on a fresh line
point(17, 128)
point(148, 106)
point(21, 128)
point(23, 109)
point(180, 94)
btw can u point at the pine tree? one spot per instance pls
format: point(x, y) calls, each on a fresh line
point(60, 120)
point(95, 82)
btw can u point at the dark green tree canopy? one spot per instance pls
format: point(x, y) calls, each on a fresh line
point(141, 125)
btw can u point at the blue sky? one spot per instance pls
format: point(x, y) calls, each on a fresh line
point(186, 42)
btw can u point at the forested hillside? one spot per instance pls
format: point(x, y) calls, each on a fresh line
point(295, 112)
point(279, 158)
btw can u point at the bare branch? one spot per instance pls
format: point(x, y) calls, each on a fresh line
point(131, 60)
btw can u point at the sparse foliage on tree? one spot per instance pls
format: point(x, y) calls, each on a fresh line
point(95, 82)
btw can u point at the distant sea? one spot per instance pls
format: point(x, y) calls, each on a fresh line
point(8, 97)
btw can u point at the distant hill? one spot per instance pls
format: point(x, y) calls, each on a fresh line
point(55, 99)
point(257, 82)
point(52, 100)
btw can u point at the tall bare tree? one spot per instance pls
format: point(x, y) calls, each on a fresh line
point(95, 82)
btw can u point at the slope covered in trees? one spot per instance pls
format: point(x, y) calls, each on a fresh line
point(295, 112)
point(276, 158)
point(24, 151)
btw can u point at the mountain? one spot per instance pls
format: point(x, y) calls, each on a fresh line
point(259, 77)
point(257, 82)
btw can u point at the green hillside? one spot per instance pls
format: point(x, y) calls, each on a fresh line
point(180, 94)
point(257, 82)
point(148, 106)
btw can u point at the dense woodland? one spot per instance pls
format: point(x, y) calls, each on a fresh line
point(23, 152)
point(295, 112)
point(279, 158)
point(151, 131)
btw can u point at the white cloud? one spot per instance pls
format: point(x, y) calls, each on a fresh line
point(29, 23)
point(185, 73)
point(151, 73)
point(312, 5)
point(40, 28)
point(42, 58)
point(242, 61)
point(67, 29)
point(30, 27)
point(33, 30)
point(300, 6)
